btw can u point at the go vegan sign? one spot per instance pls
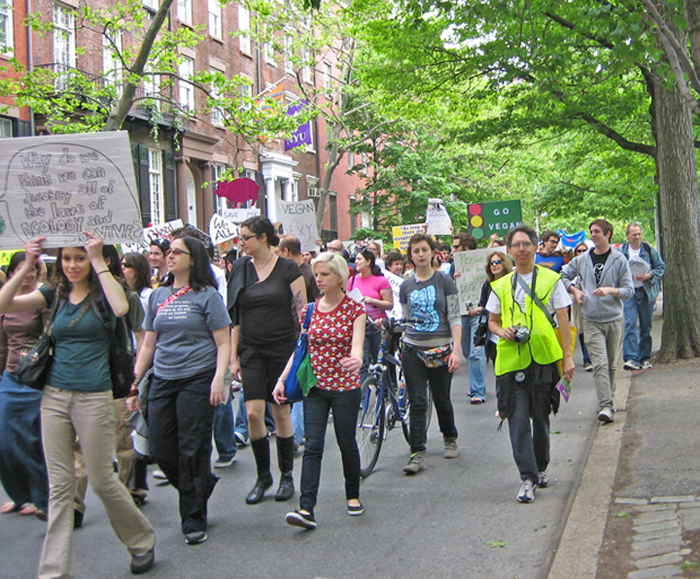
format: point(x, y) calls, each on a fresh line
point(485, 219)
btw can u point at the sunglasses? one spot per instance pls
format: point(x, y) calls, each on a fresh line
point(496, 262)
point(177, 251)
point(456, 246)
point(124, 264)
point(247, 237)
point(581, 250)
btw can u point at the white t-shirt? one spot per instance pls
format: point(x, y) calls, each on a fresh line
point(559, 297)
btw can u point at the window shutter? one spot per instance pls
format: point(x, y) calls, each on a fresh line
point(170, 185)
point(144, 185)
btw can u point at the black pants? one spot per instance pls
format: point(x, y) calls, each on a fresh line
point(180, 424)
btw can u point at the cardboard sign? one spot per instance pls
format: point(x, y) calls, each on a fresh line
point(58, 186)
point(395, 281)
point(238, 216)
point(221, 230)
point(298, 218)
point(470, 276)
point(439, 222)
point(161, 231)
point(403, 233)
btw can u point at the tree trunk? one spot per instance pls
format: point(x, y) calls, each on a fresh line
point(680, 224)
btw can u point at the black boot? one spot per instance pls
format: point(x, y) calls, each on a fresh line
point(261, 450)
point(285, 460)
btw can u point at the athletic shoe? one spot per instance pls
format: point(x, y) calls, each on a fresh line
point(416, 463)
point(224, 462)
point(606, 415)
point(196, 537)
point(240, 439)
point(646, 365)
point(143, 563)
point(159, 475)
point(630, 365)
point(355, 510)
point(299, 519)
point(451, 450)
point(544, 481)
point(526, 494)
point(588, 367)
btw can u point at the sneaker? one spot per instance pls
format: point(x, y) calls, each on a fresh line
point(224, 462)
point(159, 475)
point(355, 510)
point(196, 537)
point(299, 519)
point(606, 415)
point(240, 439)
point(143, 563)
point(416, 463)
point(588, 367)
point(544, 480)
point(630, 365)
point(451, 450)
point(646, 365)
point(526, 494)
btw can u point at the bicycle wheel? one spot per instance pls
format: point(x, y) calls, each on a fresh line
point(406, 413)
point(370, 425)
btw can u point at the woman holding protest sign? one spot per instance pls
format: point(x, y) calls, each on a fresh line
point(77, 399)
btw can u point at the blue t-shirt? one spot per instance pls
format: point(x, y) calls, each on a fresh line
point(553, 262)
point(184, 343)
point(81, 350)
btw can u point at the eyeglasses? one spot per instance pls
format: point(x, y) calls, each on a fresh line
point(177, 251)
point(581, 250)
point(456, 246)
point(124, 264)
point(496, 262)
point(247, 237)
point(336, 249)
point(523, 244)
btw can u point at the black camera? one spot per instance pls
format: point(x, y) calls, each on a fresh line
point(522, 334)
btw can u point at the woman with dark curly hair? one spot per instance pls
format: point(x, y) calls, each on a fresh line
point(187, 341)
point(267, 295)
point(77, 400)
point(497, 265)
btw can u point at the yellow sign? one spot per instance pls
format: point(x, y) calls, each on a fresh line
point(403, 233)
point(6, 254)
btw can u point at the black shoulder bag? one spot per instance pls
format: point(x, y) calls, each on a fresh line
point(121, 356)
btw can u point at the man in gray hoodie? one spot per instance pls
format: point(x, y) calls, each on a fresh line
point(605, 281)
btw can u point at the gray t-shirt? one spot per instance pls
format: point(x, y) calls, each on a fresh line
point(184, 342)
point(434, 303)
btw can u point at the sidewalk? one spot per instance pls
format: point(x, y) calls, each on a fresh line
point(636, 513)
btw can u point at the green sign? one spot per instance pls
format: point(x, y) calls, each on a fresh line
point(499, 217)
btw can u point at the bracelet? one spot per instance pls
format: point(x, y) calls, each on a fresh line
point(133, 392)
point(103, 271)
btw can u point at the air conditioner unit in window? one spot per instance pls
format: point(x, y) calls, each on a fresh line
point(314, 192)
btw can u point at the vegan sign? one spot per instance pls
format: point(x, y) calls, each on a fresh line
point(299, 219)
point(57, 186)
point(499, 217)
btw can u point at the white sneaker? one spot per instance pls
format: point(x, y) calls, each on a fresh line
point(630, 365)
point(526, 494)
point(606, 415)
point(646, 365)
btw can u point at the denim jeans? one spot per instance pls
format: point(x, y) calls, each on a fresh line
point(637, 342)
point(223, 430)
point(418, 377)
point(317, 405)
point(584, 350)
point(297, 415)
point(22, 467)
point(476, 357)
point(180, 419)
point(373, 339)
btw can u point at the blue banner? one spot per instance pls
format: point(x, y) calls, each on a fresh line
point(571, 240)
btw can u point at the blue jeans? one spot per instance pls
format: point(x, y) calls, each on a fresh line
point(584, 350)
point(373, 339)
point(297, 415)
point(22, 467)
point(636, 346)
point(223, 430)
point(418, 377)
point(476, 357)
point(317, 405)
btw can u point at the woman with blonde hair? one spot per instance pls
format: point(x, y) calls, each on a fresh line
point(336, 337)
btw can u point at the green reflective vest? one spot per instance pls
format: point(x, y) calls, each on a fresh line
point(543, 345)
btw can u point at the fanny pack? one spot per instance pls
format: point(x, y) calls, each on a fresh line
point(435, 357)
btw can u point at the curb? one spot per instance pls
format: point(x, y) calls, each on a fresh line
point(583, 521)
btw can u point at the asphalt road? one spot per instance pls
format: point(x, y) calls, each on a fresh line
point(457, 519)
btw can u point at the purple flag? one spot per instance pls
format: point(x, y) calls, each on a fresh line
point(302, 136)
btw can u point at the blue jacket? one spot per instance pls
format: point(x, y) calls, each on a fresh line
point(658, 267)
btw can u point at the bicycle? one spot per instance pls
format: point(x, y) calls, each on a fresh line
point(384, 399)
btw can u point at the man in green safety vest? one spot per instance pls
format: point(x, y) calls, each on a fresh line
point(525, 306)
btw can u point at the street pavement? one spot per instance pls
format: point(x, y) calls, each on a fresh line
point(457, 519)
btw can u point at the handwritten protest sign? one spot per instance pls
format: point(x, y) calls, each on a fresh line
point(439, 222)
point(298, 218)
point(221, 230)
point(238, 216)
point(470, 275)
point(402, 234)
point(153, 233)
point(6, 255)
point(395, 281)
point(57, 186)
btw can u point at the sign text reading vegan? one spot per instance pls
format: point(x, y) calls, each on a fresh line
point(498, 217)
point(299, 219)
point(57, 186)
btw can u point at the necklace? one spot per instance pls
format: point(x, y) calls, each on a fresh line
point(266, 263)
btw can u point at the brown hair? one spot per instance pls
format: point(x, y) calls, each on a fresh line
point(606, 226)
point(417, 238)
point(507, 264)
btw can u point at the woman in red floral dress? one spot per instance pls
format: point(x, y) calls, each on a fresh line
point(336, 338)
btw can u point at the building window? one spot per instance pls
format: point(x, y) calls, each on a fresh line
point(288, 53)
point(333, 207)
point(63, 42)
point(217, 114)
point(152, 4)
point(7, 38)
point(6, 128)
point(306, 66)
point(184, 11)
point(327, 76)
point(244, 29)
point(151, 88)
point(215, 19)
point(220, 203)
point(246, 96)
point(351, 160)
point(155, 183)
point(353, 218)
point(111, 63)
point(186, 70)
point(268, 49)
